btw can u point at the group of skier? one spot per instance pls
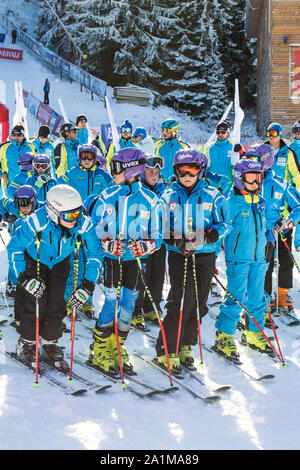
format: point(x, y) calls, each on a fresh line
point(131, 218)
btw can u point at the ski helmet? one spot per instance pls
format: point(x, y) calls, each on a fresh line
point(131, 160)
point(223, 126)
point(24, 196)
point(25, 161)
point(126, 126)
point(152, 161)
point(171, 124)
point(67, 127)
point(262, 153)
point(63, 202)
point(18, 129)
point(87, 148)
point(140, 132)
point(190, 157)
point(274, 130)
point(243, 167)
point(296, 127)
point(81, 117)
point(41, 162)
point(101, 161)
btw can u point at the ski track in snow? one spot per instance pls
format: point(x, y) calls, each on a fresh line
point(252, 416)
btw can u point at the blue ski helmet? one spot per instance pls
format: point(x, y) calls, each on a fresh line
point(140, 132)
point(25, 161)
point(87, 148)
point(41, 162)
point(242, 167)
point(126, 127)
point(171, 124)
point(131, 160)
point(191, 157)
point(262, 153)
point(274, 127)
point(24, 196)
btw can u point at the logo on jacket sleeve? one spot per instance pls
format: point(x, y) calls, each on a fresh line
point(172, 205)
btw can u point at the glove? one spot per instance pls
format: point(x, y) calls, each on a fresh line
point(10, 218)
point(34, 286)
point(113, 247)
point(284, 224)
point(80, 296)
point(269, 251)
point(42, 179)
point(211, 236)
point(142, 247)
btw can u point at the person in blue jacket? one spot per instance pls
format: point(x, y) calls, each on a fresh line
point(126, 217)
point(83, 133)
point(195, 222)
point(65, 153)
point(155, 270)
point(39, 253)
point(295, 146)
point(219, 152)
point(41, 179)
point(245, 251)
point(26, 170)
point(44, 145)
point(125, 141)
point(168, 145)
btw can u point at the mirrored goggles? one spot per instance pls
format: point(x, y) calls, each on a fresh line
point(168, 131)
point(41, 166)
point(153, 162)
point(252, 178)
point(273, 133)
point(126, 129)
point(188, 170)
point(23, 201)
point(87, 156)
point(70, 216)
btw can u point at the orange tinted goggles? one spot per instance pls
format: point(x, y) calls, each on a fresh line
point(188, 170)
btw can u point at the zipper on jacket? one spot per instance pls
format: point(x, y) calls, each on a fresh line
point(256, 233)
point(236, 241)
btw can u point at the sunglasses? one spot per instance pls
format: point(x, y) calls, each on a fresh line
point(17, 134)
point(70, 216)
point(153, 162)
point(188, 170)
point(221, 132)
point(272, 133)
point(296, 130)
point(126, 129)
point(87, 156)
point(41, 166)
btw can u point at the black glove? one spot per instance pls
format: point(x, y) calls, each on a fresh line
point(211, 236)
point(34, 286)
point(10, 218)
point(80, 296)
point(269, 251)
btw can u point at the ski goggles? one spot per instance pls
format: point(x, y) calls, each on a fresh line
point(87, 156)
point(117, 167)
point(221, 132)
point(16, 134)
point(273, 133)
point(168, 131)
point(153, 162)
point(296, 130)
point(188, 170)
point(252, 178)
point(126, 129)
point(23, 201)
point(70, 216)
point(41, 166)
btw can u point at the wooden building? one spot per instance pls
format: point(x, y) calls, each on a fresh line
point(276, 25)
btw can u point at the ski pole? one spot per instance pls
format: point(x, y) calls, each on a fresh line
point(75, 280)
point(159, 315)
point(276, 337)
point(37, 310)
point(284, 240)
point(277, 273)
point(197, 308)
point(119, 286)
point(181, 303)
point(251, 316)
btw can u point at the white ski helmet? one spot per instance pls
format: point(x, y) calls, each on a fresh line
point(63, 202)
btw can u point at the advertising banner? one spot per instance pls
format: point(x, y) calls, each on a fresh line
point(11, 54)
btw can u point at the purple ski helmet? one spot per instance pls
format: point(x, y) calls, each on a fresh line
point(131, 160)
point(24, 196)
point(191, 157)
point(241, 168)
point(41, 162)
point(262, 153)
point(87, 148)
point(25, 161)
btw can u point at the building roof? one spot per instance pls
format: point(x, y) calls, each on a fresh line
point(253, 15)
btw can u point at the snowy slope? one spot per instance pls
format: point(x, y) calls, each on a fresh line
point(253, 416)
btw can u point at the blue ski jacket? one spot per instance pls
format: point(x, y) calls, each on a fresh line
point(46, 149)
point(219, 158)
point(83, 136)
point(56, 244)
point(41, 191)
point(18, 181)
point(167, 149)
point(9, 156)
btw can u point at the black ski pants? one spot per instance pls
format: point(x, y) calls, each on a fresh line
point(205, 268)
point(155, 273)
point(285, 274)
point(52, 306)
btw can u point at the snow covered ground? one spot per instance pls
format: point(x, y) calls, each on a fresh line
point(254, 415)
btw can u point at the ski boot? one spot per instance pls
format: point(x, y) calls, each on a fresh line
point(284, 301)
point(100, 351)
point(267, 321)
point(151, 317)
point(186, 357)
point(225, 346)
point(88, 310)
point(256, 341)
point(174, 362)
point(138, 322)
point(53, 355)
point(26, 352)
point(126, 365)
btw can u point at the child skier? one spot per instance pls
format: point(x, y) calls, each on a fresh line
point(245, 258)
point(26, 169)
point(196, 219)
point(41, 179)
point(127, 222)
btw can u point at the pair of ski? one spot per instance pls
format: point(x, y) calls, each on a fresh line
point(52, 372)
